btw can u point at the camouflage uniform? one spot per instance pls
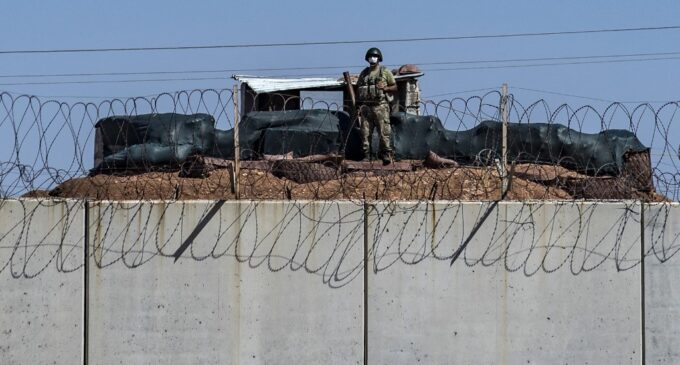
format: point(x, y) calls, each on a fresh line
point(375, 109)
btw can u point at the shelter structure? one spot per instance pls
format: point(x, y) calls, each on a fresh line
point(276, 94)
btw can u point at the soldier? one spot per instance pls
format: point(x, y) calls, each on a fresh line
point(376, 84)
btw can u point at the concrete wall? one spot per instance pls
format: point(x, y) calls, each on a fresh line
point(517, 294)
point(41, 282)
point(662, 283)
point(261, 283)
point(283, 282)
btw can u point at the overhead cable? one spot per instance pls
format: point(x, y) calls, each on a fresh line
point(319, 43)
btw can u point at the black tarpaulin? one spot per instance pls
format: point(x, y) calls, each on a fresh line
point(152, 140)
point(143, 141)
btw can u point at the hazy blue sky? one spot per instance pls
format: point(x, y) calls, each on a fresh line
point(77, 24)
point(95, 24)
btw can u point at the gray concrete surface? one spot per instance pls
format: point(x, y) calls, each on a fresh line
point(282, 282)
point(518, 294)
point(662, 283)
point(267, 282)
point(41, 305)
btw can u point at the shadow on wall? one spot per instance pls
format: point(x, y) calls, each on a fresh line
point(326, 238)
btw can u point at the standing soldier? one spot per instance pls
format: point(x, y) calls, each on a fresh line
point(376, 84)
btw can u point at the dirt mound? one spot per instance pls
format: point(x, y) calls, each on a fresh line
point(271, 181)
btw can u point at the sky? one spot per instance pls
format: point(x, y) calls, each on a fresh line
point(39, 25)
point(76, 24)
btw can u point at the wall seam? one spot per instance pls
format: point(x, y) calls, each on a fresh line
point(86, 281)
point(643, 350)
point(366, 207)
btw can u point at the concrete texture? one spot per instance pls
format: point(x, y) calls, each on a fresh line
point(662, 283)
point(282, 282)
point(304, 298)
point(537, 284)
point(252, 288)
point(41, 250)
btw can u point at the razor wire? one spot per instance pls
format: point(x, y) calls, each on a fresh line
point(49, 153)
point(325, 239)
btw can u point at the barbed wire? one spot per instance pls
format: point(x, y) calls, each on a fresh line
point(50, 152)
point(324, 238)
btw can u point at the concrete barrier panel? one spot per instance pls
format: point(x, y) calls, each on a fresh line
point(143, 307)
point(662, 283)
point(530, 283)
point(304, 298)
point(257, 282)
point(41, 280)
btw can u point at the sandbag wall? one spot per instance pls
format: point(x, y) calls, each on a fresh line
point(165, 141)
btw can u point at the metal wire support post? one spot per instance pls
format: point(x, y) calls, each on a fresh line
point(504, 139)
point(366, 268)
point(237, 146)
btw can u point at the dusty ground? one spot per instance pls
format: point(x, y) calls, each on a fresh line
point(529, 182)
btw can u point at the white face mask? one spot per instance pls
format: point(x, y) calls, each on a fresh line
point(373, 60)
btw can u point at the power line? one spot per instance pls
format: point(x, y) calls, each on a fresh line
point(608, 56)
point(314, 75)
point(319, 43)
point(563, 94)
point(517, 66)
point(555, 58)
point(319, 75)
point(182, 72)
point(96, 97)
point(462, 92)
point(552, 64)
point(590, 97)
point(113, 81)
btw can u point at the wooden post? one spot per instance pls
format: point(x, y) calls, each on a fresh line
point(352, 107)
point(504, 137)
point(237, 147)
point(350, 90)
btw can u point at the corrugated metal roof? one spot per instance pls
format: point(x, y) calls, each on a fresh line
point(272, 84)
point(267, 84)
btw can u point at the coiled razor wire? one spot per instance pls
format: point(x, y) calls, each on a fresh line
point(49, 144)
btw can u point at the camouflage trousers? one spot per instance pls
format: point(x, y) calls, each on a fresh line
point(376, 117)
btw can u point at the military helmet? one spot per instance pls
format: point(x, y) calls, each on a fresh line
point(373, 52)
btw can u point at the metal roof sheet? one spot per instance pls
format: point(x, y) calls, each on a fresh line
point(268, 84)
point(272, 84)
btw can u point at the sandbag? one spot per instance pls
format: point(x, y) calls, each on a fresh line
point(303, 132)
point(593, 154)
point(152, 139)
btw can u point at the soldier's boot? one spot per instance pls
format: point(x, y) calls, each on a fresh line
point(387, 159)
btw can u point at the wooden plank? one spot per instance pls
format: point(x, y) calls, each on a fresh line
point(375, 166)
point(256, 165)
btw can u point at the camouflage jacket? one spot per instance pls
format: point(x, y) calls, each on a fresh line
point(367, 90)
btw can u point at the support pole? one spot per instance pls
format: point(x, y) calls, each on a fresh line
point(643, 351)
point(366, 268)
point(504, 139)
point(237, 147)
point(350, 91)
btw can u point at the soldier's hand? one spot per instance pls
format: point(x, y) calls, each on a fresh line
point(381, 85)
